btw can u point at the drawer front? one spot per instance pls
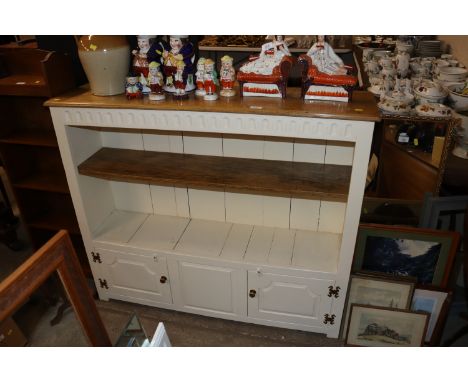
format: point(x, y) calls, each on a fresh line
point(207, 289)
point(288, 299)
point(136, 277)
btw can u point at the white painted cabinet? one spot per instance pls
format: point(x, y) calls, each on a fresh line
point(296, 300)
point(212, 290)
point(184, 206)
point(130, 276)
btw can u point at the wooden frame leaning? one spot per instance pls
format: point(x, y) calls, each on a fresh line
point(58, 255)
point(384, 291)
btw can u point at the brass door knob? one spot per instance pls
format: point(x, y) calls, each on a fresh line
point(252, 293)
point(163, 279)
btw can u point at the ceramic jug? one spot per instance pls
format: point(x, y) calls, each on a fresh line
point(106, 61)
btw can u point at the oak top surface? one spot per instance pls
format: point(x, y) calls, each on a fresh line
point(363, 107)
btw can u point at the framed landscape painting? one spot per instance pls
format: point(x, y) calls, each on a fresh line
point(387, 292)
point(426, 254)
point(376, 326)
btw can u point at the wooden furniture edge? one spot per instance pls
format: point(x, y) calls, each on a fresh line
point(363, 107)
point(58, 255)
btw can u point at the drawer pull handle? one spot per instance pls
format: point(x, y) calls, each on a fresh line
point(163, 279)
point(252, 293)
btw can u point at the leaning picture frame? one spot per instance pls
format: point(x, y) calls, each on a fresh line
point(368, 289)
point(426, 254)
point(435, 302)
point(377, 327)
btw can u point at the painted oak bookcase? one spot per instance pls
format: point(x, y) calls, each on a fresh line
point(242, 209)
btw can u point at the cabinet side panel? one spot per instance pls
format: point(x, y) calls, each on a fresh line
point(97, 200)
point(96, 194)
point(331, 217)
point(132, 197)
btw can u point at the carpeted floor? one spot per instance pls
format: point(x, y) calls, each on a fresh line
point(183, 329)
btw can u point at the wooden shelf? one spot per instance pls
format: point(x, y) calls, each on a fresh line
point(35, 72)
point(251, 244)
point(267, 177)
point(31, 138)
point(50, 181)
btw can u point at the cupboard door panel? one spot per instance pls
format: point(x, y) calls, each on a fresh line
point(288, 299)
point(137, 277)
point(211, 290)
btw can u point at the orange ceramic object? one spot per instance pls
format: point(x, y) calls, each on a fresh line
point(279, 76)
point(312, 76)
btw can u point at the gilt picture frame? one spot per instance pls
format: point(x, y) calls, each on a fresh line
point(380, 327)
point(426, 254)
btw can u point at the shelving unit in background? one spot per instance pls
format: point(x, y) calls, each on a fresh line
point(28, 145)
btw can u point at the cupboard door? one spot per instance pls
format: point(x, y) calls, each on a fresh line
point(137, 278)
point(288, 299)
point(206, 289)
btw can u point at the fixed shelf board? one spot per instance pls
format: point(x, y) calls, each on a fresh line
point(251, 244)
point(277, 178)
point(44, 182)
point(32, 138)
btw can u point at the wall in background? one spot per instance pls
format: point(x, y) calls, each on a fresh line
point(456, 45)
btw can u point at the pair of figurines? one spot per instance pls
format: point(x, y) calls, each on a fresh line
point(207, 79)
point(152, 84)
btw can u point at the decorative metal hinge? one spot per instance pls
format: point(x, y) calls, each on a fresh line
point(329, 319)
point(332, 291)
point(96, 257)
point(103, 283)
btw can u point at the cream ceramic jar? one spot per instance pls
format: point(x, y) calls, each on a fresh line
point(106, 61)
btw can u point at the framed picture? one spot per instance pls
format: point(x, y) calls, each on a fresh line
point(378, 291)
point(377, 326)
point(435, 302)
point(426, 254)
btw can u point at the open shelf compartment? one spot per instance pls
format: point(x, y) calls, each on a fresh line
point(252, 244)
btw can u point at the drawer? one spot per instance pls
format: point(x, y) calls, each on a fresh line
point(138, 278)
point(288, 299)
